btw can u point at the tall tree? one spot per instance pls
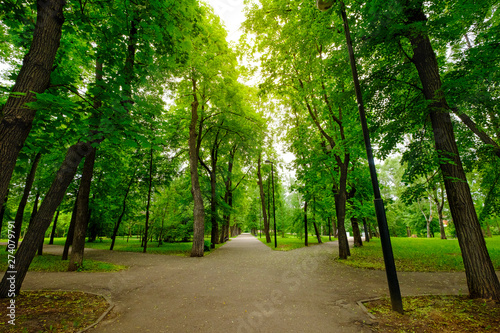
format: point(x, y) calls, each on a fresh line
point(34, 77)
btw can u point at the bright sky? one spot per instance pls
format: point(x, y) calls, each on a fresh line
point(231, 13)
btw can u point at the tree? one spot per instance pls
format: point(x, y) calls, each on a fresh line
point(17, 118)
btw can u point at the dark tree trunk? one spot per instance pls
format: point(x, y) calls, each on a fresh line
point(71, 231)
point(481, 278)
point(340, 209)
point(124, 205)
point(54, 226)
point(24, 199)
point(198, 209)
point(356, 233)
point(3, 209)
point(32, 217)
point(82, 211)
point(318, 236)
point(263, 201)
point(365, 227)
point(45, 214)
point(34, 77)
point(306, 233)
point(146, 225)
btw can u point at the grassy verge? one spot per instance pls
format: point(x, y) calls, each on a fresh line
point(51, 263)
point(134, 245)
point(291, 242)
point(418, 254)
point(437, 314)
point(52, 311)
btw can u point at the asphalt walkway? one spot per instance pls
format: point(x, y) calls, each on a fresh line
point(242, 287)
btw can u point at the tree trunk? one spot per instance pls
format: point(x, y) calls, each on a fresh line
point(263, 201)
point(82, 211)
point(481, 277)
point(124, 205)
point(3, 209)
point(365, 227)
point(43, 218)
point(198, 209)
point(213, 209)
point(54, 226)
point(340, 209)
point(34, 77)
point(306, 233)
point(146, 225)
point(356, 233)
point(24, 199)
point(71, 231)
point(318, 236)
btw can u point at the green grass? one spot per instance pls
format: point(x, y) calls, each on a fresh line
point(291, 242)
point(134, 245)
point(51, 263)
point(419, 254)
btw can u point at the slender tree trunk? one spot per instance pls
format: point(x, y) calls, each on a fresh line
point(24, 199)
point(318, 236)
point(356, 233)
point(34, 77)
point(306, 232)
point(146, 226)
point(82, 211)
point(71, 231)
point(340, 209)
point(335, 230)
point(54, 226)
point(213, 210)
point(481, 277)
point(124, 206)
point(263, 201)
point(365, 227)
point(198, 210)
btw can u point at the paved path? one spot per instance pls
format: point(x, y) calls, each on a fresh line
point(242, 287)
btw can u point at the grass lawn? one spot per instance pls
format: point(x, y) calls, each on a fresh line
point(291, 242)
point(134, 245)
point(51, 263)
point(418, 254)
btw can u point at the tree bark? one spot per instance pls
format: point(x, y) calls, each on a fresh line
point(124, 205)
point(481, 277)
point(263, 201)
point(198, 209)
point(3, 209)
point(43, 218)
point(318, 236)
point(24, 199)
point(228, 196)
point(54, 226)
point(82, 211)
point(340, 209)
point(34, 77)
point(71, 231)
point(356, 233)
point(146, 225)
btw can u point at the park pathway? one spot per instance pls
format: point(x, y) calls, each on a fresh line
point(242, 287)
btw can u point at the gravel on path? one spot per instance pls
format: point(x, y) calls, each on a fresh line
point(243, 286)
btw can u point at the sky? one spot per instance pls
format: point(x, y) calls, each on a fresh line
point(231, 13)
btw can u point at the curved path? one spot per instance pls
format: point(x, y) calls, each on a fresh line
point(242, 287)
